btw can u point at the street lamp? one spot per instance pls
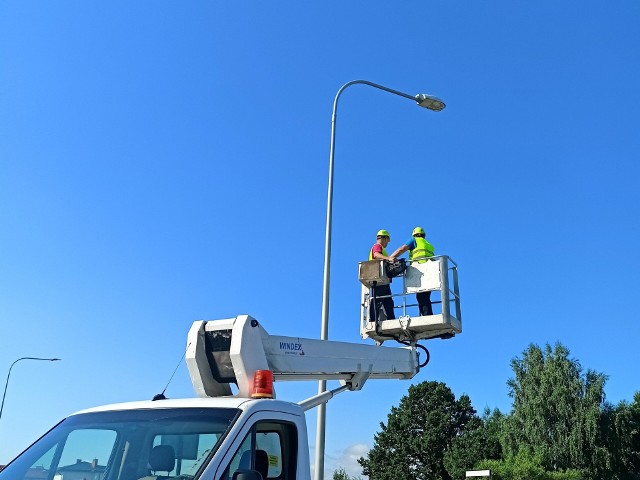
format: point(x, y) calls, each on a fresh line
point(423, 100)
point(9, 374)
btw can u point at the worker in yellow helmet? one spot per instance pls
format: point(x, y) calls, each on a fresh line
point(383, 306)
point(419, 251)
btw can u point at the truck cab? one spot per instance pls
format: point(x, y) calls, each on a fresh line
point(214, 438)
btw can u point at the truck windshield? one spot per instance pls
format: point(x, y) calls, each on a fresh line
point(125, 445)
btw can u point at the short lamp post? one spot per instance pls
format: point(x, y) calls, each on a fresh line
point(423, 100)
point(9, 374)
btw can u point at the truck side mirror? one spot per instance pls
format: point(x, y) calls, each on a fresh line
point(247, 475)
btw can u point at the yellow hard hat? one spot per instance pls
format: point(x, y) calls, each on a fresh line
point(417, 231)
point(383, 233)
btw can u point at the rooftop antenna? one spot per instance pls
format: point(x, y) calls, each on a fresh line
point(161, 396)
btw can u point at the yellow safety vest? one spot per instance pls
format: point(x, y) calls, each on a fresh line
point(384, 252)
point(423, 249)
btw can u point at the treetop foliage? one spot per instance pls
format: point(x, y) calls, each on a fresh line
point(556, 409)
point(418, 434)
point(341, 474)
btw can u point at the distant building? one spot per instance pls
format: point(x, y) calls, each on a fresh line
point(80, 470)
point(37, 473)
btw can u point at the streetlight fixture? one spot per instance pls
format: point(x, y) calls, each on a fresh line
point(9, 375)
point(423, 100)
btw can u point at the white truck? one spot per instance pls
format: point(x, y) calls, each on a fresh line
point(221, 435)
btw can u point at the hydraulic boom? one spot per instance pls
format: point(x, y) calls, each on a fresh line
point(223, 352)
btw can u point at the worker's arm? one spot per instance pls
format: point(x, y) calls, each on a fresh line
point(376, 253)
point(380, 256)
point(398, 252)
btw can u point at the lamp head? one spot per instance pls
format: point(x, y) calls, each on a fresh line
point(430, 102)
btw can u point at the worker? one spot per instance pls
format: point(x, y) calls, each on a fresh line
point(419, 251)
point(383, 307)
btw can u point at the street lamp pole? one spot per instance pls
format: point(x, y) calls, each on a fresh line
point(423, 100)
point(9, 375)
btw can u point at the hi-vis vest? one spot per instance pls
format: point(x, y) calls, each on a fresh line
point(384, 252)
point(423, 249)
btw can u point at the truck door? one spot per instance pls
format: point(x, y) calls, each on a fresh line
point(270, 448)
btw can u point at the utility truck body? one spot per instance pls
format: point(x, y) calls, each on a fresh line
point(248, 435)
point(218, 436)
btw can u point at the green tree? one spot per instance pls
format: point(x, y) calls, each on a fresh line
point(556, 411)
point(479, 441)
point(633, 454)
point(493, 424)
point(620, 433)
point(341, 474)
point(418, 434)
point(525, 466)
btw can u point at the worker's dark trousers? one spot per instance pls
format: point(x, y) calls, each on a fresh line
point(383, 307)
point(424, 303)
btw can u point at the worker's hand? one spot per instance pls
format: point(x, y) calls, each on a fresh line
point(392, 259)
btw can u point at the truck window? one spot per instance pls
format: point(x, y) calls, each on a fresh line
point(189, 450)
point(158, 444)
point(85, 455)
point(82, 456)
point(270, 448)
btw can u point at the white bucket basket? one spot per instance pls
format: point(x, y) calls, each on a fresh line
point(438, 275)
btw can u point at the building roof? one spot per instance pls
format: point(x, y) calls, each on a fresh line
point(82, 466)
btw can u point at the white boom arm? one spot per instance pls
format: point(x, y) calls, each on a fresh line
point(222, 352)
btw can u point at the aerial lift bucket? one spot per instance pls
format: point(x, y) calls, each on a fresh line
point(438, 275)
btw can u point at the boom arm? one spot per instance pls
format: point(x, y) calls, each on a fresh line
point(228, 351)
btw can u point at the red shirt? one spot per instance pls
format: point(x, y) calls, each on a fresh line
point(377, 248)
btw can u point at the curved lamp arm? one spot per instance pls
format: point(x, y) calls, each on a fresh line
point(9, 375)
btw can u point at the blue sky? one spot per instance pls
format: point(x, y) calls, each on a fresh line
point(163, 162)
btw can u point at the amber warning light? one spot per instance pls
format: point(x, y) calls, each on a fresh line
point(262, 384)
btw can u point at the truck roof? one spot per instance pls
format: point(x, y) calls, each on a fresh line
point(216, 402)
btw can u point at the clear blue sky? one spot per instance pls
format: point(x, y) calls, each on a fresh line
point(163, 162)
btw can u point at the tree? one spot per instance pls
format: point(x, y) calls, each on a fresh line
point(633, 455)
point(556, 411)
point(341, 474)
point(418, 434)
point(479, 441)
point(524, 466)
point(493, 424)
point(620, 433)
